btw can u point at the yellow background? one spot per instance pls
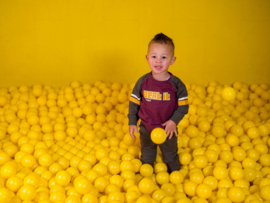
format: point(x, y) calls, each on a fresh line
point(54, 42)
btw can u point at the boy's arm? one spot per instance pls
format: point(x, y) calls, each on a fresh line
point(135, 102)
point(133, 113)
point(182, 97)
point(134, 106)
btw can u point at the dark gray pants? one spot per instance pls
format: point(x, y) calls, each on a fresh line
point(169, 150)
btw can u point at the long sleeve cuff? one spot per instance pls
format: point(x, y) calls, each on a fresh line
point(179, 114)
point(132, 120)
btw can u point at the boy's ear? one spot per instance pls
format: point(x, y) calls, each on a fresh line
point(146, 56)
point(173, 60)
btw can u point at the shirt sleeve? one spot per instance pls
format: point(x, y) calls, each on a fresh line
point(182, 97)
point(135, 102)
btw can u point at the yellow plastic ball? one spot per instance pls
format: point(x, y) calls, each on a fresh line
point(146, 186)
point(236, 194)
point(162, 177)
point(176, 177)
point(228, 93)
point(146, 170)
point(101, 183)
point(200, 161)
point(220, 172)
point(158, 135)
point(203, 191)
point(190, 188)
point(82, 186)
point(265, 192)
point(236, 173)
point(158, 195)
point(7, 171)
point(14, 183)
point(62, 178)
point(265, 160)
point(192, 131)
point(27, 192)
point(211, 181)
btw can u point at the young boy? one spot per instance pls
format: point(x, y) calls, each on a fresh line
point(159, 99)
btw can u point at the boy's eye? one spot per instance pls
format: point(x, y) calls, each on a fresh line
point(154, 57)
point(163, 57)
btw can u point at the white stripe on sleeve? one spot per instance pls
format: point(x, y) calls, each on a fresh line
point(182, 98)
point(133, 95)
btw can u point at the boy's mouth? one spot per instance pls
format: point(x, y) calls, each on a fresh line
point(158, 67)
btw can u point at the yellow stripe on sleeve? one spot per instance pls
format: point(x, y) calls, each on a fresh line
point(132, 99)
point(183, 102)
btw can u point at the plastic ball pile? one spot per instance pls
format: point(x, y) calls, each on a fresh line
point(72, 145)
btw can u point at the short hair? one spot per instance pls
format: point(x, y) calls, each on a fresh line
point(162, 39)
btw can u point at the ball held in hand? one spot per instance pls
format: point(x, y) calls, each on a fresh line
point(158, 135)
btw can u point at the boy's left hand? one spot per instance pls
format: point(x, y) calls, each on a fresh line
point(170, 128)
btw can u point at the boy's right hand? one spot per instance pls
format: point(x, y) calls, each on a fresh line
point(131, 130)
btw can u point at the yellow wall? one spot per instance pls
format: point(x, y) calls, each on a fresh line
point(57, 41)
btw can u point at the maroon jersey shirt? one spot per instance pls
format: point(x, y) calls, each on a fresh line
point(156, 102)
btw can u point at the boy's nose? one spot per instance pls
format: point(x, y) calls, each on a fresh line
point(158, 60)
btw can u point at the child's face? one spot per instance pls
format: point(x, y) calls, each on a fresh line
point(160, 57)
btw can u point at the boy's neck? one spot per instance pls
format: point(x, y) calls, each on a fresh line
point(161, 77)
